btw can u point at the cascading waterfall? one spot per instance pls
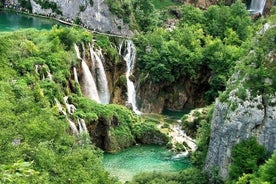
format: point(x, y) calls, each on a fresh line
point(70, 108)
point(102, 83)
point(89, 86)
point(71, 123)
point(77, 51)
point(75, 74)
point(257, 6)
point(129, 57)
point(82, 126)
point(179, 137)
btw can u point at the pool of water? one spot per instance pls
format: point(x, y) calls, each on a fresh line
point(175, 115)
point(143, 158)
point(12, 21)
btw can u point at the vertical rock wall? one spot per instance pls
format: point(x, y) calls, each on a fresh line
point(252, 117)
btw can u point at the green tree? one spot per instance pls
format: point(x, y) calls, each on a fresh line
point(246, 157)
point(267, 171)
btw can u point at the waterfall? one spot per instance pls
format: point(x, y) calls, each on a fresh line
point(49, 75)
point(257, 6)
point(95, 84)
point(179, 137)
point(82, 126)
point(69, 107)
point(89, 86)
point(99, 73)
point(77, 51)
point(73, 127)
point(129, 57)
point(75, 74)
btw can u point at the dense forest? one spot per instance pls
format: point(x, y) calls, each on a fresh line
point(219, 49)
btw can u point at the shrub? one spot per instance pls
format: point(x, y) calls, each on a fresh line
point(246, 156)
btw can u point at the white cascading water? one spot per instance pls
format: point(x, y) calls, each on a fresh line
point(129, 57)
point(257, 6)
point(89, 86)
point(75, 75)
point(71, 123)
point(77, 51)
point(179, 137)
point(82, 126)
point(102, 83)
point(49, 75)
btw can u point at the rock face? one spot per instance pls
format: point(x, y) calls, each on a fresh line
point(252, 117)
point(154, 98)
point(102, 135)
point(95, 16)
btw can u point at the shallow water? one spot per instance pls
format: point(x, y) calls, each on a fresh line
point(12, 21)
point(143, 158)
point(175, 115)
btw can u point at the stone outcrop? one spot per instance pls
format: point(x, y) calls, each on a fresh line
point(252, 117)
point(154, 98)
point(103, 136)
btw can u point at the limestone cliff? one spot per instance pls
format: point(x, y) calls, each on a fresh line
point(248, 107)
point(252, 117)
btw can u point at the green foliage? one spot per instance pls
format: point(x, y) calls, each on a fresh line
point(154, 178)
point(145, 15)
point(200, 129)
point(35, 144)
point(267, 170)
point(207, 42)
point(146, 132)
point(187, 176)
point(256, 69)
point(106, 44)
point(19, 172)
point(120, 8)
point(246, 157)
point(163, 4)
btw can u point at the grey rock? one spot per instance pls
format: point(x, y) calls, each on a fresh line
point(97, 17)
point(252, 117)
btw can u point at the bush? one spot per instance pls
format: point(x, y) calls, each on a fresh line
point(246, 157)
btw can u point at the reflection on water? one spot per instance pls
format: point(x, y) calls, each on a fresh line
point(12, 21)
point(143, 158)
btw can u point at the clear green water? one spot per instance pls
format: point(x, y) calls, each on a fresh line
point(175, 115)
point(12, 21)
point(143, 158)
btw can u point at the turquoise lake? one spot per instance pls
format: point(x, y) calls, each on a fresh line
point(12, 21)
point(143, 158)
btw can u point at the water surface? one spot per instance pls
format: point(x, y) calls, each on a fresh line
point(12, 21)
point(143, 158)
